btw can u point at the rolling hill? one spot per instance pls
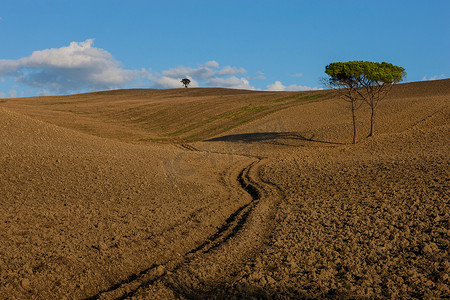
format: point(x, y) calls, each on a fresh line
point(203, 193)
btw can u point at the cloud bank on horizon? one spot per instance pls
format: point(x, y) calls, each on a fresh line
point(82, 67)
point(208, 74)
point(78, 66)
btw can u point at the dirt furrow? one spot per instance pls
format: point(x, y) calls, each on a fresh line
point(188, 147)
point(140, 282)
point(210, 270)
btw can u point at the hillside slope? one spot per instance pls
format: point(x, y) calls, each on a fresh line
point(158, 115)
point(79, 213)
point(328, 120)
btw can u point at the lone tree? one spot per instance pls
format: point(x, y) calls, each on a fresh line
point(185, 82)
point(364, 81)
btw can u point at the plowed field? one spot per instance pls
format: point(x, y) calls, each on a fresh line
point(216, 193)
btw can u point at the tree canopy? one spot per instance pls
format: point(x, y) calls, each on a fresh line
point(361, 72)
point(185, 82)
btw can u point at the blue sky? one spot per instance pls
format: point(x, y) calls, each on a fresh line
point(51, 47)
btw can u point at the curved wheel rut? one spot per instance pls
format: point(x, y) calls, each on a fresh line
point(167, 274)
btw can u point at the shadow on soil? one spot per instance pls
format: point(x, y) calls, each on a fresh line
point(267, 137)
point(246, 291)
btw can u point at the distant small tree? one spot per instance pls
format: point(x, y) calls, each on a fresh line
point(185, 82)
point(364, 81)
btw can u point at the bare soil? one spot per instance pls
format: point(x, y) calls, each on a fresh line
point(215, 193)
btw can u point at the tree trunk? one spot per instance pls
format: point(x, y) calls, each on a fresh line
point(372, 122)
point(354, 120)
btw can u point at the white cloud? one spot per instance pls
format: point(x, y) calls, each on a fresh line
point(278, 86)
point(231, 71)
point(72, 68)
point(211, 64)
point(436, 77)
point(166, 82)
point(205, 71)
point(201, 72)
point(231, 82)
point(2, 95)
point(208, 74)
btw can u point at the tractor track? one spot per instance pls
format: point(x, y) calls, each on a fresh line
point(233, 225)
